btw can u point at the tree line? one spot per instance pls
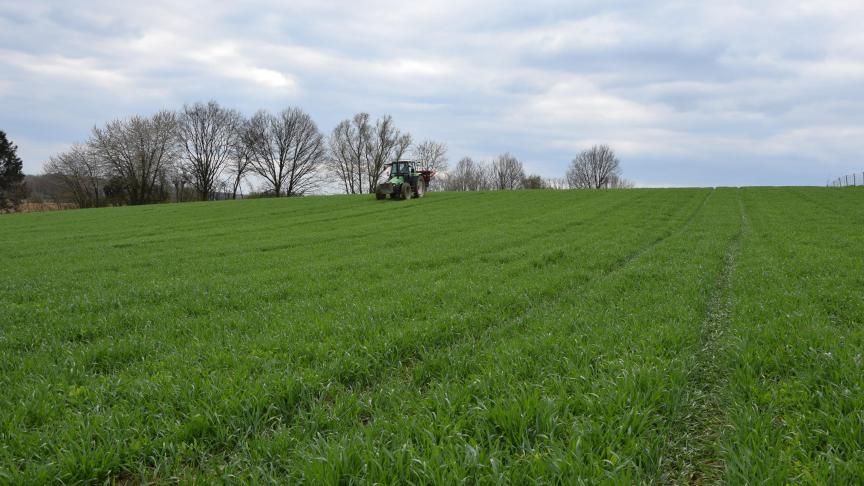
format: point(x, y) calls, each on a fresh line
point(594, 168)
point(206, 151)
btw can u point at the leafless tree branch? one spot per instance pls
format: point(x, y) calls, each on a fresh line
point(595, 168)
point(139, 150)
point(286, 150)
point(208, 135)
point(506, 172)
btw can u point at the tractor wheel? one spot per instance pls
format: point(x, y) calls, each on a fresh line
point(380, 195)
point(421, 188)
point(406, 191)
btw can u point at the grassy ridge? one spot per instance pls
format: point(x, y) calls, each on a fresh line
point(645, 335)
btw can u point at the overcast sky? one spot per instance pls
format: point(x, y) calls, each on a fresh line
point(687, 93)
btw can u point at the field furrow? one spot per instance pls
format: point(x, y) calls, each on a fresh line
point(694, 456)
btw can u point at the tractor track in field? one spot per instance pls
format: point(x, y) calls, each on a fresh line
point(695, 457)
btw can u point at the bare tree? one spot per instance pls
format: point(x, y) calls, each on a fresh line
point(347, 158)
point(207, 134)
point(506, 172)
point(594, 168)
point(240, 164)
point(359, 152)
point(138, 150)
point(307, 158)
point(287, 150)
point(81, 173)
point(431, 155)
point(403, 143)
point(385, 144)
point(466, 176)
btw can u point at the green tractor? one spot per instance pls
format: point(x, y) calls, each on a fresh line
point(404, 181)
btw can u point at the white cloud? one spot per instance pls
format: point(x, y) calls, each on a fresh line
point(721, 89)
point(63, 69)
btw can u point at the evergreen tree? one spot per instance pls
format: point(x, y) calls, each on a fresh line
point(12, 188)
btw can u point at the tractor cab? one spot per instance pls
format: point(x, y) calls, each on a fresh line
point(401, 168)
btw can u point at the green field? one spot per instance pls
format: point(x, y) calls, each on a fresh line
point(656, 336)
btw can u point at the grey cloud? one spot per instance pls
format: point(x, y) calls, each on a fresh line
point(689, 93)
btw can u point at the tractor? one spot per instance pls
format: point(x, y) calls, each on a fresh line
point(404, 181)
